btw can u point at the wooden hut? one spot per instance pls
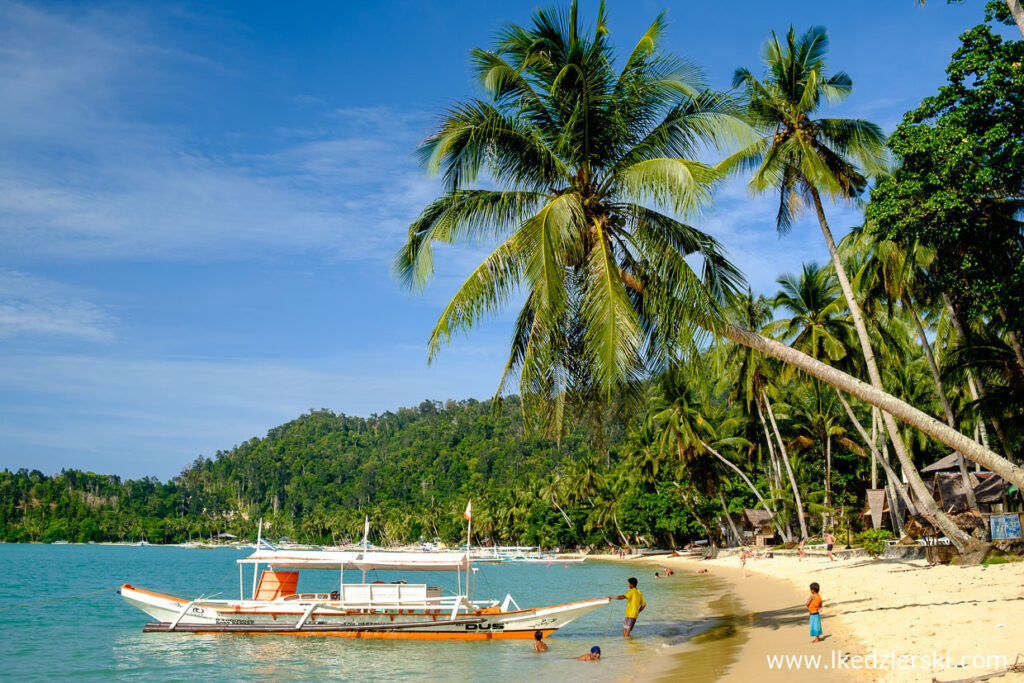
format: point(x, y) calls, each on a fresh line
point(757, 527)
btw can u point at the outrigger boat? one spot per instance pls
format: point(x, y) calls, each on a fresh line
point(354, 610)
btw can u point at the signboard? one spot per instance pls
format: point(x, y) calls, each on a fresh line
point(1005, 527)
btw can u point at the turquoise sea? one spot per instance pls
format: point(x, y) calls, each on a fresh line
point(99, 637)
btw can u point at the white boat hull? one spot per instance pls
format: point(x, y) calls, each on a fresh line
point(326, 617)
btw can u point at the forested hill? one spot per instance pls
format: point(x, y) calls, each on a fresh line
point(313, 478)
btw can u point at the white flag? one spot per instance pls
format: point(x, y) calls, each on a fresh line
point(468, 514)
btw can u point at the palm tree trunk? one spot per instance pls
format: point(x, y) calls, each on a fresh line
point(785, 459)
point(828, 476)
point(728, 518)
point(873, 444)
point(964, 543)
point(892, 480)
point(982, 432)
point(892, 406)
point(1014, 341)
point(972, 501)
point(776, 467)
point(737, 470)
point(564, 516)
point(1018, 14)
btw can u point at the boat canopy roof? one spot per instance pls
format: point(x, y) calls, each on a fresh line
point(360, 560)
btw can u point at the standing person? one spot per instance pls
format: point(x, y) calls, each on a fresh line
point(802, 542)
point(830, 541)
point(635, 604)
point(743, 560)
point(538, 642)
point(814, 609)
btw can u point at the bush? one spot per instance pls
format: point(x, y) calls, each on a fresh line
point(874, 540)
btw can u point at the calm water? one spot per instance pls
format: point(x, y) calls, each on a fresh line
point(100, 636)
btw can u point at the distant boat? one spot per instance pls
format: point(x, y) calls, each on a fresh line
point(59, 543)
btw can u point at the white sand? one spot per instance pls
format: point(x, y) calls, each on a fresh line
point(880, 610)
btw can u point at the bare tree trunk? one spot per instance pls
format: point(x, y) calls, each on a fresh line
point(972, 500)
point(966, 544)
point(785, 459)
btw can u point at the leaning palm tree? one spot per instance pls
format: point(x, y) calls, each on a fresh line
point(802, 157)
point(578, 153)
point(594, 169)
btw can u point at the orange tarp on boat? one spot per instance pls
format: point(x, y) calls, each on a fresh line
point(274, 584)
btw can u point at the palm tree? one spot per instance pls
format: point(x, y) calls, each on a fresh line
point(688, 424)
point(801, 157)
point(580, 153)
point(575, 146)
point(819, 326)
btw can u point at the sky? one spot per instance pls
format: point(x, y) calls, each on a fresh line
point(200, 202)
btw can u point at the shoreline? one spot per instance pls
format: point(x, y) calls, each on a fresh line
point(892, 620)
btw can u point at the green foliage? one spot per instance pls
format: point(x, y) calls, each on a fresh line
point(961, 179)
point(874, 540)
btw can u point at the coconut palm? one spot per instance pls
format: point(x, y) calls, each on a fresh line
point(802, 157)
point(819, 325)
point(593, 167)
point(579, 153)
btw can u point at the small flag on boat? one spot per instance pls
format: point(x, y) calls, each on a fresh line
point(366, 531)
point(468, 514)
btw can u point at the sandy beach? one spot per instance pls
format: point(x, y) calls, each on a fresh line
point(883, 621)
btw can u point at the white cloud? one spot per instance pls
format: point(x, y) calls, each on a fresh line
point(36, 307)
point(81, 177)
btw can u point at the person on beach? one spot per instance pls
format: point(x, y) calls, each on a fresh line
point(802, 542)
point(635, 604)
point(814, 609)
point(702, 571)
point(538, 642)
point(743, 561)
point(592, 656)
point(668, 571)
point(830, 541)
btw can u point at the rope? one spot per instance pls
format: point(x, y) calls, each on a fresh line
point(70, 597)
point(608, 621)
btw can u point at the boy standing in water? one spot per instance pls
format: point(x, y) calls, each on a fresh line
point(538, 642)
point(635, 604)
point(814, 608)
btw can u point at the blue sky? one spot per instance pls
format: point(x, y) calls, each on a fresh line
point(199, 203)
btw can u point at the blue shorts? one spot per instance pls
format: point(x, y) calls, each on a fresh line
point(815, 624)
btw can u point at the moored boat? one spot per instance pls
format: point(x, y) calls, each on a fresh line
point(357, 610)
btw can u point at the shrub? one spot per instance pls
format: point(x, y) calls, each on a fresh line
point(874, 540)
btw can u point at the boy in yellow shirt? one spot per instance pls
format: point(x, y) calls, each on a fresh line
point(635, 604)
